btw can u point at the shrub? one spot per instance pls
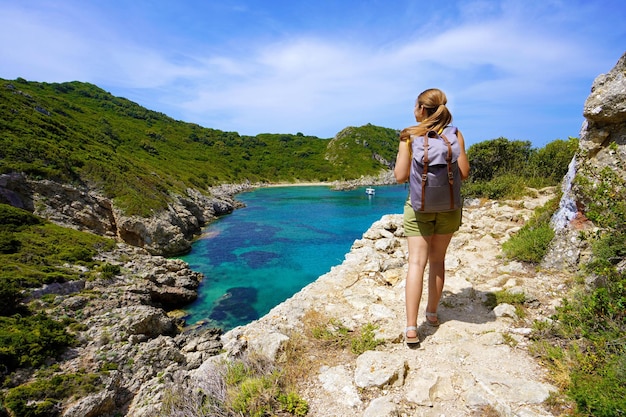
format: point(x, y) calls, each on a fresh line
point(506, 186)
point(42, 397)
point(294, 404)
point(8, 243)
point(77, 254)
point(10, 296)
point(505, 169)
point(109, 270)
point(366, 340)
point(531, 243)
point(492, 158)
point(552, 161)
point(15, 218)
point(332, 333)
point(248, 386)
point(29, 341)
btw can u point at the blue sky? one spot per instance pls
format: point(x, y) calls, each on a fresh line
point(518, 69)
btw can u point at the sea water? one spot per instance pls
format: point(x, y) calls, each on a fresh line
point(283, 239)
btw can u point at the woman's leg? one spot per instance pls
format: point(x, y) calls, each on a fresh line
point(418, 257)
point(437, 270)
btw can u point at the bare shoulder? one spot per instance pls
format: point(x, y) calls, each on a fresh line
point(459, 135)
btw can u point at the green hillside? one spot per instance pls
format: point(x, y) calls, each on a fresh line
point(78, 133)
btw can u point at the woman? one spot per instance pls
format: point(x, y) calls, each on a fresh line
point(428, 234)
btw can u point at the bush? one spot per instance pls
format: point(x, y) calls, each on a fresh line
point(507, 186)
point(14, 218)
point(249, 386)
point(77, 254)
point(42, 397)
point(29, 341)
point(495, 157)
point(10, 296)
point(503, 169)
point(366, 340)
point(109, 271)
point(531, 243)
point(8, 243)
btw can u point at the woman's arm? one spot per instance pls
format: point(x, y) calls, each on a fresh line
point(403, 162)
point(464, 167)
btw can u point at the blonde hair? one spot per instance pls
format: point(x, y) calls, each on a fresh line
point(437, 114)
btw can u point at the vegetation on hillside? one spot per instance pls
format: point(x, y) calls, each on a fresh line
point(78, 133)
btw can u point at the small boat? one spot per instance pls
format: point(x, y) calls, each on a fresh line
point(370, 191)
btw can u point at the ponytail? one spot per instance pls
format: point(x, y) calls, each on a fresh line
point(437, 114)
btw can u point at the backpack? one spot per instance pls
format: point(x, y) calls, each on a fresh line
point(435, 180)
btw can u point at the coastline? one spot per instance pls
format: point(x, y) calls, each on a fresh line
point(297, 184)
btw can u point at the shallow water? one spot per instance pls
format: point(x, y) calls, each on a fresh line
point(284, 239)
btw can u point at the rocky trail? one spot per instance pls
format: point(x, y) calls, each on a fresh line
point(475, 363)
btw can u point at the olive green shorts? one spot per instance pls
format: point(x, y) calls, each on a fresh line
point(428, 224)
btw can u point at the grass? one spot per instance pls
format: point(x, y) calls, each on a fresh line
point(254, 386)
point(248, 386)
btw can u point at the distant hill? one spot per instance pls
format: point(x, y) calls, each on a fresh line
point(77, 133)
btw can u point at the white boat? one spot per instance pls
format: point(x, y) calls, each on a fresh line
point(370, 191)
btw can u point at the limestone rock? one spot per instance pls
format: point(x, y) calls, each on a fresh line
point(337, 382)
point(381, 407)
point(168, 232)
point(102, 403)
point(378, 369)
point(145, 320)
point(607, 101)
point(602, 146)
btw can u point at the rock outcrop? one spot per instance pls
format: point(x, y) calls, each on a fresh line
point(602, 147)
point(169, 232)
point(125, 328)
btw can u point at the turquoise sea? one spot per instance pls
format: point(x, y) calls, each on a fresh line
point(284, 239)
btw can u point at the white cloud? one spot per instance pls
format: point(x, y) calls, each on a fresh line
point(504, 60)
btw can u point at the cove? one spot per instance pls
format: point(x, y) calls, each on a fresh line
point(282, 240)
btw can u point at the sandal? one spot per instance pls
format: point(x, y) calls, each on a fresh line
point(411, 340)
point(433, 323)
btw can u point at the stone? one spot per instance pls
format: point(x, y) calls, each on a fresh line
point(337, 382)
point(145, 320)
point(102, 403)
point(378, 369)
point(505, 310)
point(607, 101)
point(381, 407)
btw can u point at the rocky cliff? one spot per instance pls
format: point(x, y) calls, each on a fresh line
point(167, 233)
point(597, 171)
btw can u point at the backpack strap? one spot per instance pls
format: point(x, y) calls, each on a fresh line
point(425, 172)
point(450, 173)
